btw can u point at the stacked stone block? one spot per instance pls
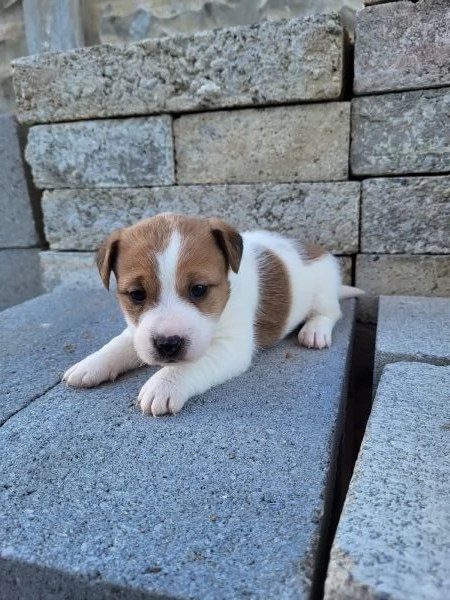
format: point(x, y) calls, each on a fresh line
point(19, 255)
point(124, 132)
point(401, 149)
point(251, 124)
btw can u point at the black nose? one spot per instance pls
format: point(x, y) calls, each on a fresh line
point(168, 347)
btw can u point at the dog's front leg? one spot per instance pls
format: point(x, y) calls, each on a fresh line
point(114, 358)
point(168, 390)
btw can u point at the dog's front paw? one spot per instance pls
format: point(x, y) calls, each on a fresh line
point(90, 372)
point(316, 333)
point(161, 395)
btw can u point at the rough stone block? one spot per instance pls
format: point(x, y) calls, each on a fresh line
point(229, 499)
point(78, 269)
point(406, 215)
point(265, 63)
point(118, 152)
point(404, 275)
point(289, 143)
point(17, 228)
point(20, 275)
point(399, 134)
point(326, 213)
point(68, 268)
point(412, 329)
point(393, 537)
point(402, 46)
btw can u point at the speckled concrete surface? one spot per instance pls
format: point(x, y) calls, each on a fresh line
point(393, 539)
point(228, 499)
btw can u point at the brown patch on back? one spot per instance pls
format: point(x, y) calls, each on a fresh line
point(310, 251)
point(274, 299)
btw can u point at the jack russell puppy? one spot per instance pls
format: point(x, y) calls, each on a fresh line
point(200, 298)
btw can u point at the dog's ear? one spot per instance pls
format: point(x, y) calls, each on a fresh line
point(107, 255)
point(229, 241)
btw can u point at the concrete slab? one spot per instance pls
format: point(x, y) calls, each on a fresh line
point(230, 499)
point(393, 539)
point(41, 337)
point(21, 274)
point(412, 329)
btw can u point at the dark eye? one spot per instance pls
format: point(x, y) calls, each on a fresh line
point(198, 291)
point(137, 296)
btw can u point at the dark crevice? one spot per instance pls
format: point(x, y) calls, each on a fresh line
point(355, 417)
point(353, 177)
point(29, 402)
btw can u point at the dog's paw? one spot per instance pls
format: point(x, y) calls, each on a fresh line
point(90, 372)
point(161, 396)
point(316, 333)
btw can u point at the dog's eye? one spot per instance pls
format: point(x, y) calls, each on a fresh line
point(137, 296)
point(198, 291)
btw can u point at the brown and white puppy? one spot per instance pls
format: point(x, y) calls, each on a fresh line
point(199, 298)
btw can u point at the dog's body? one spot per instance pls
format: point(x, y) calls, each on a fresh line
point(199, 298)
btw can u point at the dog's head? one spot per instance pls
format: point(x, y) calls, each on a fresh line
point(172, 282)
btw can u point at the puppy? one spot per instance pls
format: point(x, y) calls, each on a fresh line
point(199, 298)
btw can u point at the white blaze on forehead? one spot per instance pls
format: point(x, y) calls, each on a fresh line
point(173, 315)
point(167, 267)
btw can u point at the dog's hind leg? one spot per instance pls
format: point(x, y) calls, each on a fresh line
point(317, 329)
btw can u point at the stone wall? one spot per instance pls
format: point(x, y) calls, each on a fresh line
point(113, 139)
point(401, 149)
point(111, 21)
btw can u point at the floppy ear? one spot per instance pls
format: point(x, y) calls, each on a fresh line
point(229, 241)
point(106, 257)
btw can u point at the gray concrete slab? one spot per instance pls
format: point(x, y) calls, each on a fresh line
point(40, 338)
point(20, 274)
point(412, 329)
point(393, 539)
point(230, 499)
point(17, 228)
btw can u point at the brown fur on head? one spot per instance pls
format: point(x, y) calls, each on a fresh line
point(160, 265)
point(228, 240)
